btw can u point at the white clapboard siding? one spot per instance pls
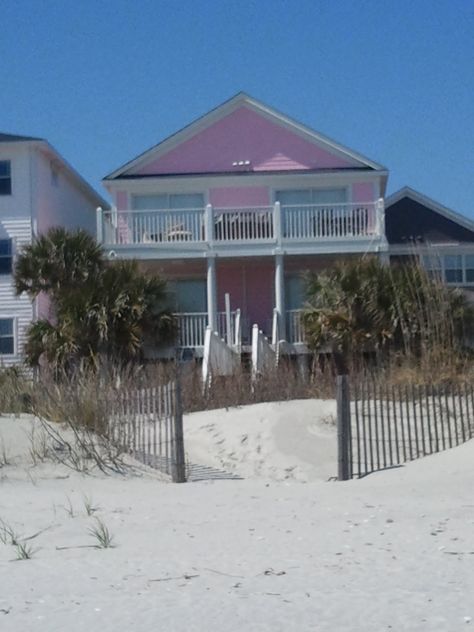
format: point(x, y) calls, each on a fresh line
point(11, 306)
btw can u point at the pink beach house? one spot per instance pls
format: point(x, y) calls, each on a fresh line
point(240, 203)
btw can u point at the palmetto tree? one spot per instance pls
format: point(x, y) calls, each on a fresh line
point(58, 261)
point(364, 305)
point(99, 309)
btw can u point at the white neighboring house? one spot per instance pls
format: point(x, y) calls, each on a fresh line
point(38, 190)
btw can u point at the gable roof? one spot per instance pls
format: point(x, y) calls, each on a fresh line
point(73, 175)
point(226, 108)
point(412, 194)
point(48, 150)
point(15, 138)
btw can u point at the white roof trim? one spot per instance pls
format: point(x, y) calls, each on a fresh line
point(74, 175)
point(408, 192)
point(226, 108)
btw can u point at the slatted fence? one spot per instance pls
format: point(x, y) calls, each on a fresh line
point(149, 423)
point(384, 425)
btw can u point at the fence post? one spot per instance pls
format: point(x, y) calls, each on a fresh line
point(343, 426)
point(178, 471)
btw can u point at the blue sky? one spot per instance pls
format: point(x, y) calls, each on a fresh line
point(105, 80)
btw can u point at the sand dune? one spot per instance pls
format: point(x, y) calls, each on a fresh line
point(393, 551)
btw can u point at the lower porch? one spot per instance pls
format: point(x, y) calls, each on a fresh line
point(232, 295)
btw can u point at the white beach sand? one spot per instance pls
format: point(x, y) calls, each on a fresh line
point(279, 440)
point(393, 551)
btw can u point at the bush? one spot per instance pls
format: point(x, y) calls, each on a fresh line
point(16, 391)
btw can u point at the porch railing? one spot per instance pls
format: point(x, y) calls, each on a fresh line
point(154, 227)
point(295, 326)
point(260, 224)
point(243, 224)
point(329, 221)
point(192, 328)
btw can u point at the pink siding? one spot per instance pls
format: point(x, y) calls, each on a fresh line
point(178, 269)
point(244, 135)
point(122, 200)
point(250, 285)
point(239, 196)
point(363, 192)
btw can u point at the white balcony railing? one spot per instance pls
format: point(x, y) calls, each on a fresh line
point(243, 224)
point(211, 227)
point(337, 221)
point(150, 227)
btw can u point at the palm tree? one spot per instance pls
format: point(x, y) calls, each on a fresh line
point(100, 309)
point(56, 261)
point(367, 306)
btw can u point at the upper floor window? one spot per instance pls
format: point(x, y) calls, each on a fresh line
point(6, 256)
point(297, 197)
point(7, 337)
point(168, 201)
point(5, 177)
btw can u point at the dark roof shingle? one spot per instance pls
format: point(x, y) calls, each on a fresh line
point(12, 138)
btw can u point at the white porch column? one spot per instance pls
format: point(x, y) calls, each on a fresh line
point(280, 295)
point(211, 293)
point(380, 217)
point(99, 225)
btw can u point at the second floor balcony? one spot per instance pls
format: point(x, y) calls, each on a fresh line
point(166, 233)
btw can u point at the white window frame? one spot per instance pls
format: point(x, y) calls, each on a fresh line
point(14, 334)
point(442, 267)
point(12, 255)
point(10, 177)
point(346, 187)
point(168, 194)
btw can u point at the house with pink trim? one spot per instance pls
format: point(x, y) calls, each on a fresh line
point(234, 208)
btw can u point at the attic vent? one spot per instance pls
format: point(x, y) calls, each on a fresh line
point(241, 163)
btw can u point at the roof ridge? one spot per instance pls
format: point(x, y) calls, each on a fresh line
point(6, 138)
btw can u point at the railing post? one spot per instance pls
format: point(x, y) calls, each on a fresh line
point(280, 294)
point(255, 355)
point(209, 221)
point(228, 332)
point(238, 331)
point(380, 217)
point(99, 225)
point(343, 427)
point(211, 293)
point(277, 223)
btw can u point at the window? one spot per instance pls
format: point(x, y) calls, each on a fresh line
point(294, 292)
point(5, 177)
point(433, 266)
point(469, 259)
point(7, 338)
point(293, 197)
point(6, 256)
point(189, 295)
point(167, 201)
point(453, 269)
